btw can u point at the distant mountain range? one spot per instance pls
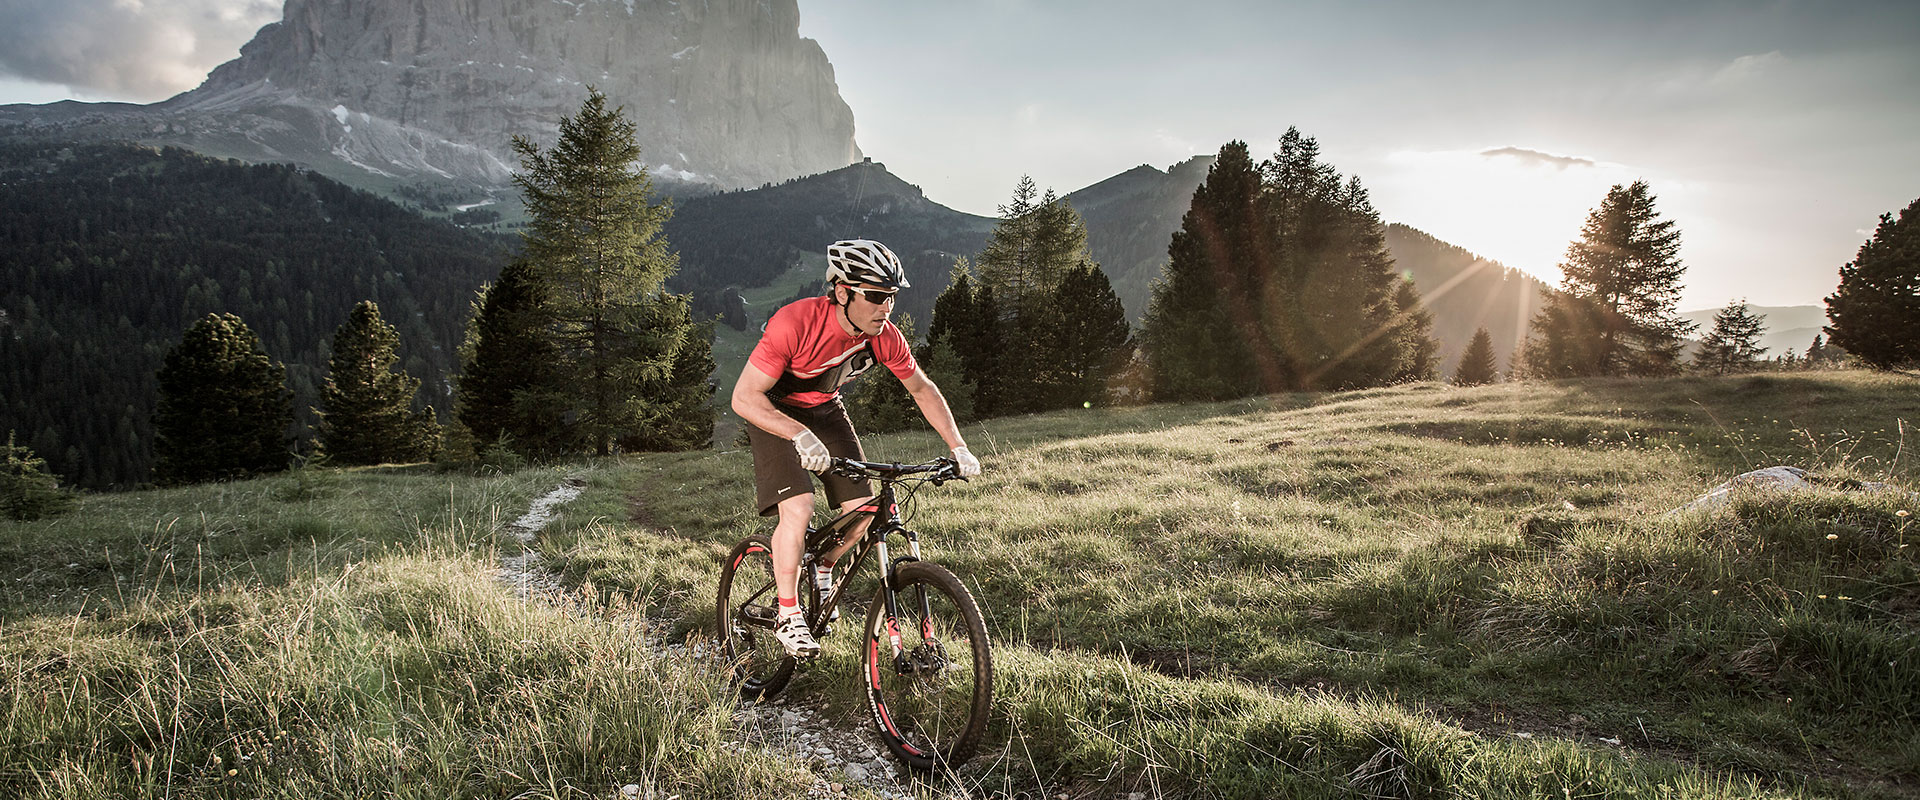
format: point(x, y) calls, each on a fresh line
point(744, 238)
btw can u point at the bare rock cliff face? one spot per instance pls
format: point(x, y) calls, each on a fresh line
point(723, 92)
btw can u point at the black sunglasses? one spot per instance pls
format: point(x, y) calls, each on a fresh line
point(878, 297)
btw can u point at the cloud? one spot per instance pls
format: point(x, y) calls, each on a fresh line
point(131, 49)
point(1537, 157)
point(1748, 67)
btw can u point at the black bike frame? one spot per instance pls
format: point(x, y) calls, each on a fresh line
point(885, 513)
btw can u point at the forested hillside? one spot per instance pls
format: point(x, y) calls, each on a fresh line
point(110, 251)
point(1466, 292)
point(746, 238)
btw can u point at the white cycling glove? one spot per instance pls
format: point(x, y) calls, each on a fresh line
point(969, 466)
point(813, 452)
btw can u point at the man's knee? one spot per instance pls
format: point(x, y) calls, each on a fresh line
point(796, 508)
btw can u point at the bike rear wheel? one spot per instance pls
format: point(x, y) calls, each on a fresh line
point(929, 702)
point(745, 611)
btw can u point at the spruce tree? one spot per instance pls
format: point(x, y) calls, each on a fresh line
point(681, 416)
point(594, 240)
point(510, 378)
point(1279, 280)
point(967, 317)
point(223, 408)
point(1200, 321)
point(27, 492)
point(1413, 330)
point(1476, 364)
point(1088, 339)
point(1817, 353)
point(369, 416)
point(1876, 310)
point(1734, 342)
point(1031, 250)
point(1615, 312)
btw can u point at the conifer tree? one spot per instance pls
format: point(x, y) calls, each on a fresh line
point(1734, 342)
point(509, 380)
point(594, 239)
point(1031, 250)
point(1476, 364)
point(1876, 311)
point(1417, 349)
point(1817, 353)
point(1200, 321)
point(369, 416)
point(1278, 280)
point(27, 492)
point(1088, 339)
point(223, 408)
point(682, 416)
point(1615, 312)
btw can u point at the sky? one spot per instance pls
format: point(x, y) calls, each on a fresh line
point(1774, 134)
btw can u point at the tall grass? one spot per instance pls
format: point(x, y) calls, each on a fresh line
point(1493, 569)
point(353, 640)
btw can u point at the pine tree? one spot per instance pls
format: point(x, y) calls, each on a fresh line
point(682, 416)
point(1088, 339)
point(1734, 342)
point(1200, 321)
point(1876, 311)
point(1615, 312)
point(223, 408)
point(1476, 364)
point(966, 318)
point(509, 379)
point(1418, 350)
point(594, 241)
point(27, 492)
point(369, 416)
point(1030, 251)
point(1279, 280)
point(1817, 354)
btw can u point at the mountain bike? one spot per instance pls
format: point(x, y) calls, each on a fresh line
point(926, 664)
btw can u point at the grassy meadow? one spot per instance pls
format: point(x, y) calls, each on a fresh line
point(1413, 592)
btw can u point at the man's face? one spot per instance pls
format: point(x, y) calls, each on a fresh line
point(866, 314)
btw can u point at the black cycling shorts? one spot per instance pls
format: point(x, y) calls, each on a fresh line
point(777, 474)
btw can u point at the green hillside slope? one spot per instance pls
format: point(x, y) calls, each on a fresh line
point(1411, 592)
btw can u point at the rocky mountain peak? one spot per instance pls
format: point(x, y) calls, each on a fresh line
point(723, 92)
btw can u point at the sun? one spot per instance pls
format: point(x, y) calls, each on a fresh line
point(1520, 207)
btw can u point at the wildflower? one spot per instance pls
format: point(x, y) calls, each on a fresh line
point(232, 772)
point(1832, 536)
point(1900, 513)
point(1821, 596)
point(1844, 597)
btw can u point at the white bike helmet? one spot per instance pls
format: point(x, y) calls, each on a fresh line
point(865, 261)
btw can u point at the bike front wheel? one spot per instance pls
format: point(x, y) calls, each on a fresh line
point(928, 668)
point(745, 613)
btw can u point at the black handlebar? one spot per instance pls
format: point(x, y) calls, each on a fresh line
point(943, 469)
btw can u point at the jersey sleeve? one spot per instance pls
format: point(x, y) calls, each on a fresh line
point(777, 343)
point(890, 348)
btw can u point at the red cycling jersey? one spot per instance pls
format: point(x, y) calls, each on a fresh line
point(811, 356)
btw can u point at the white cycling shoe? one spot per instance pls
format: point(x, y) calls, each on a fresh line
point(792, 634)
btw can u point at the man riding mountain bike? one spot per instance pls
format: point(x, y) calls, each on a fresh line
point(789, 394)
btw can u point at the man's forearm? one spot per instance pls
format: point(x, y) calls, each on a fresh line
point(933, 406)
